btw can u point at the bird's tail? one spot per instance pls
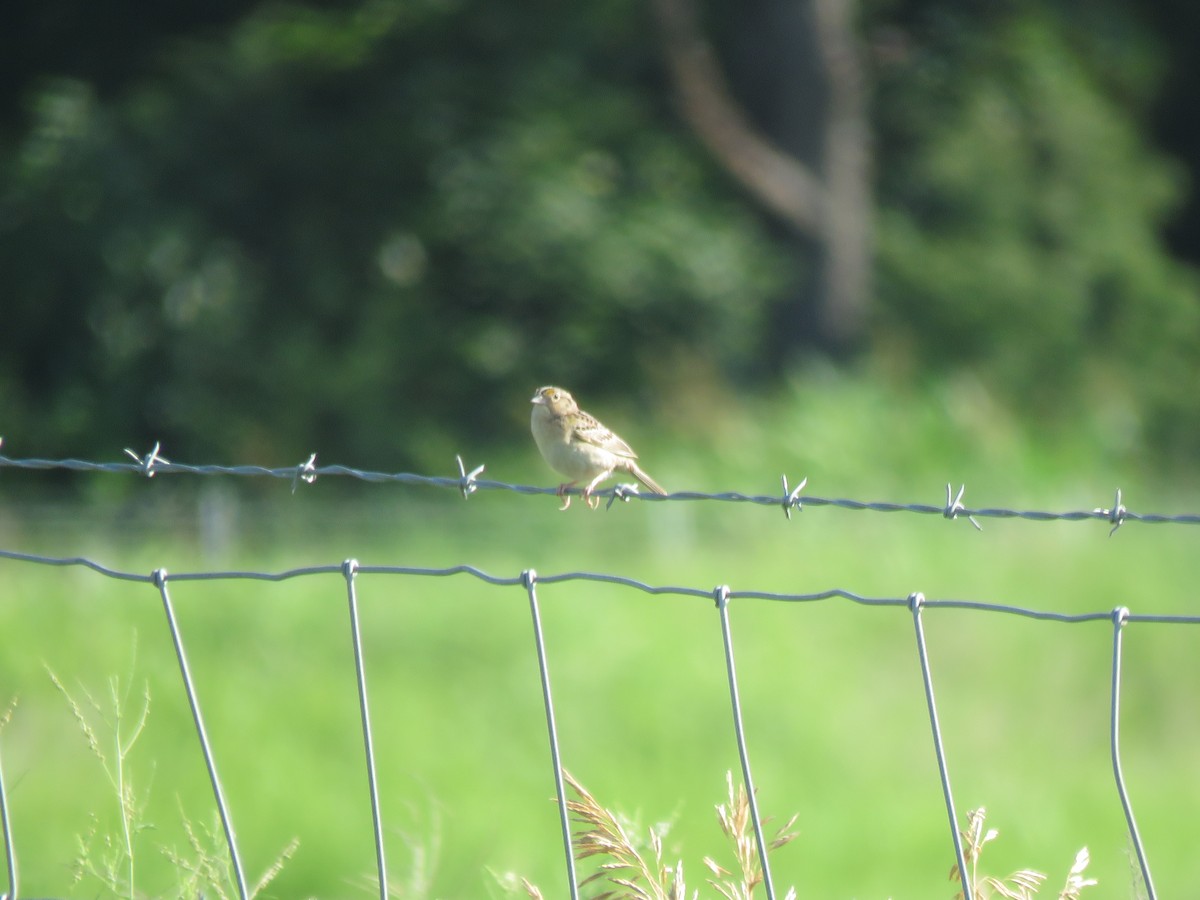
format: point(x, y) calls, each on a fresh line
point(645, 479)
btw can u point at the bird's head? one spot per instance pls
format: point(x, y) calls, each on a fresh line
point(557, 401)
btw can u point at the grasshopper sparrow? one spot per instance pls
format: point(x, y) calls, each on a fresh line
point(578, 446)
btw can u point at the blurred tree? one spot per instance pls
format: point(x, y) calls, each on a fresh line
point(813, 169)
point(1177, 24)
point(1020, 216)
point(370, 229)
point(108, 45)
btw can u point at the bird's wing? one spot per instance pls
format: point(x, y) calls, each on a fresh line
point(590, 431)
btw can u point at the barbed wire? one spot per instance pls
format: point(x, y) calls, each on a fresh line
point(468, 482)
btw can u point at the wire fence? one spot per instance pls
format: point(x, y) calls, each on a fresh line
point(468, 481)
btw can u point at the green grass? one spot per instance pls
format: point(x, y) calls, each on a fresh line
point(832, 694)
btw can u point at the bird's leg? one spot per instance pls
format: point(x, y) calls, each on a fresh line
point(563, 495)
point(587, 491)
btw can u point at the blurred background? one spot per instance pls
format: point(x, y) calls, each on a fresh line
point(252, 230)
point(884, 244)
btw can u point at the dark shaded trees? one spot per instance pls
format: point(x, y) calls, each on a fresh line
point(370, 229)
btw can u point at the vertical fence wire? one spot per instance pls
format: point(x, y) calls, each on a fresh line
point(915, 602)
point(160, 581)
point(10, 852)
point(349, 571)
point(529, 578)
point(1120, 617)
point(721, 595)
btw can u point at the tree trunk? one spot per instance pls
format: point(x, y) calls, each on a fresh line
point(826, 200)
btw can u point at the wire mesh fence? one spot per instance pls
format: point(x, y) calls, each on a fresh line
point(467, 482)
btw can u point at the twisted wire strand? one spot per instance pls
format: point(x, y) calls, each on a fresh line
point(469, 483)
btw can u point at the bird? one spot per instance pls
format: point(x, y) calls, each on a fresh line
point(576, 445)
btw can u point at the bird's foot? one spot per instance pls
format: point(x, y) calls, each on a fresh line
point(564, 496)
point(594, 502)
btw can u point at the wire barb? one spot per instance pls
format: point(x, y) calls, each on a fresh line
point(1116, 515)
point(466, 480)
point(621, 492)
point(791, 499)
point(306, 472)
point(954, 505)
point(148, 461)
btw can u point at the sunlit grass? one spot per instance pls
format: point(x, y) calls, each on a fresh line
point(834, 707)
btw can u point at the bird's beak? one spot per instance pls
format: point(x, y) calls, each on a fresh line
point(538, 398)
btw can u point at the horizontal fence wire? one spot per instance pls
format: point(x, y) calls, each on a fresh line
point(467, 483)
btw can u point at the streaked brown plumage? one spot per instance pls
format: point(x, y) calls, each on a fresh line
point(577, 445)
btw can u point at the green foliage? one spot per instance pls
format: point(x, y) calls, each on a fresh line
point(329, 217)
point(290, 229)
point(112, 863)
point(834, 706)
point(1019, 232)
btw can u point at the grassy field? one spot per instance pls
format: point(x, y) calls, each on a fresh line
point(832, 694)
